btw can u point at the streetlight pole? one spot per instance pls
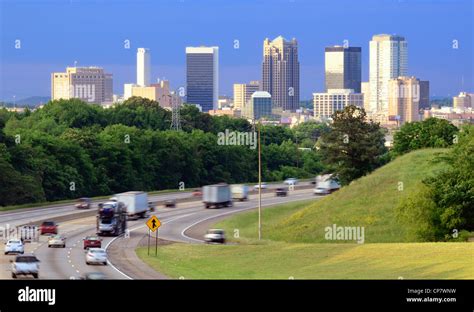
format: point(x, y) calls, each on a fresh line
point(259, 184)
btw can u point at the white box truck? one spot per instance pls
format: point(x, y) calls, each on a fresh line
point(240, 192)
point(136, 203)
point(217, 196)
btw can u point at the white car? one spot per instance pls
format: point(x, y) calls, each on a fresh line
point(96, 255)
point(14, 246)
point(257, 186)
point(321, 191)
point(57, 241)
point(291, 181)
point(25, 265)
point(215, 236)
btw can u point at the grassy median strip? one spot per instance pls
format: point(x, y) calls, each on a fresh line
point(279, 260)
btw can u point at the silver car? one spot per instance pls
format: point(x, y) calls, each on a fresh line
point(14, 246)
point(57, 241)
point(215, 236)
point(96, 256)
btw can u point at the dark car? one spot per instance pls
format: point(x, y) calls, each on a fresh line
point(170, 203)
point(48, 227)
point(84, 203)
point(92, 242)
point(281, 191)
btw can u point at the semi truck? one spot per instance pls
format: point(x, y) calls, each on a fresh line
point(136, 203)
point(240, 192)
point(217, 196)
point(111, 218)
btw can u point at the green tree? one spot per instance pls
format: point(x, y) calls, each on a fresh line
point(432, 132)
point(353, 147)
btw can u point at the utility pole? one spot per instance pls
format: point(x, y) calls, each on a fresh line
point(259, 184)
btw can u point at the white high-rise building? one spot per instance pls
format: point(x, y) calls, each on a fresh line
point(388, 60)
point(143, 67)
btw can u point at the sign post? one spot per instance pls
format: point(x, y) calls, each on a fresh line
point(153, 224)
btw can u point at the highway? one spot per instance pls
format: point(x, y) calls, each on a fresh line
point(186, 223)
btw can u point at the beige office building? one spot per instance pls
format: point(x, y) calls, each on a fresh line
point(462, 101)
point(404, 99)
point(326, 104)
point(90, 84)
point(365, 90)
point(159, 92)
point(243, 92)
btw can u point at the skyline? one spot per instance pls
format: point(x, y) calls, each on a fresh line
point(168, 38)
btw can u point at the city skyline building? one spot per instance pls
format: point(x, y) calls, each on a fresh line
point(388, 59)
point(90, 84)
point(404, 99)
point(243, 92)
point(143, 67)
point(327, 103)
point(259, 106)
point(281, 72)
point(342, 67)
point(202, 77)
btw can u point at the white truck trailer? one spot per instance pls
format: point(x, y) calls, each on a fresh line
point(217, 196)
point(136, 203)
point(240, 192)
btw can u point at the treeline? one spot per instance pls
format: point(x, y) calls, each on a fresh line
point(69, 149)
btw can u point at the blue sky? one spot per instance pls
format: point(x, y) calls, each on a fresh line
point(55, 33)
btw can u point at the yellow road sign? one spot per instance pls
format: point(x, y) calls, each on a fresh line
point(153, 223)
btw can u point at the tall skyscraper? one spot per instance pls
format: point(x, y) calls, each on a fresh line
point(243, 92)
point(90, 84)
point(281, 72)
point(343, 68)
point(424, 95)
point(388, 60)
point(365, 90)
point(202, 77)
point(404, 99)
point(143, 67)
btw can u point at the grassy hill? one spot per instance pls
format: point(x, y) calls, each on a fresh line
point(368, 202)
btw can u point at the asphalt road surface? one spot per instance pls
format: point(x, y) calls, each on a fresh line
point(186, 223)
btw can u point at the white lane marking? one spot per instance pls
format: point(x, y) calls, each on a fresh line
point(131, 230)
point(226, 213)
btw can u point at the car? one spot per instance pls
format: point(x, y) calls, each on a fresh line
point(84, 203)
point(48, 227)
point(170, 203)
point(14, 246)
point(57, 241)
point(94, 276)
point(215, 236)
point(197, 193)
point(257, 186)
point(291, 181)
point(321, 191)
point(25, 265)
point(96, 256)
point(281, 191)
point(92, 242)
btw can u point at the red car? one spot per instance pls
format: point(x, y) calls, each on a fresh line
point(92, 242)
point(197, 193)
point(48, 227)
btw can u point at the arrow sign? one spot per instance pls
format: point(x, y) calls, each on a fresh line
point(153, 223)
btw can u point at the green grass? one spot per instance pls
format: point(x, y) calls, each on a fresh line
point(279, 260)
point(368, 202)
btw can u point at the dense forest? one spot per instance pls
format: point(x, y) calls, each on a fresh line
point(69, 149)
